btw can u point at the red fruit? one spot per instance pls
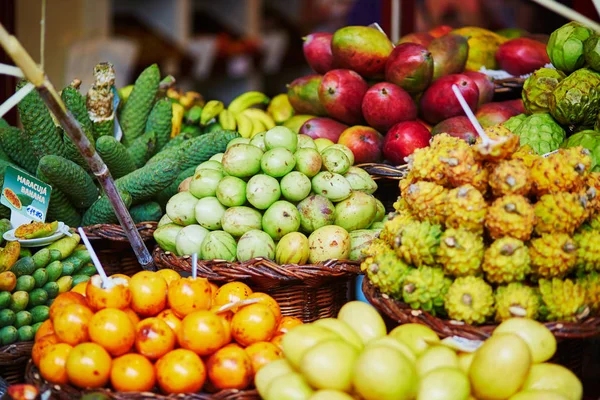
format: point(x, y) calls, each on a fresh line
point(422, 38)
point(362, 49)
point(303, 94)
point(440, 31)
point(403, 139)
point(410, 66)
point(341, 93)
point(516, 104)
point(459, 127)
point(450, 54)
point(491, 114)
point(439, 102)
point(484, 84)
point(522, 56)
point(425, 124)
point(386, 104)
point(365, 142)
point(317, 51)
point(322, 127)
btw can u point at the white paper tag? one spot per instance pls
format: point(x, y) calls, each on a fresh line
point(462, 344)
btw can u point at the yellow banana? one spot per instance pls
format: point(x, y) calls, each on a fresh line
point(257, 127)
point(280, 108)
point(173, 93)
point(211, 109)
point(244, 125)
point(190, 99)
point(247, 100)
point(177, 118)
point(227, 120)
point(260, 115)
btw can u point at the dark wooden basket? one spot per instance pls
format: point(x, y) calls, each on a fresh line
point(308, 292)
point(402, 313)
point(13, 359)
point(387, 178)
point(68, 392)
point(113, 248)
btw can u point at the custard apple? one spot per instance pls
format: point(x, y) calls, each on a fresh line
point(514, 122)
point(470, 299)
point(576, 99)
point(590, 140)
point(538, 87)
point(425, 288)
point(516, 300)
point(541, 132)
point(565, 47)
point(591, 52)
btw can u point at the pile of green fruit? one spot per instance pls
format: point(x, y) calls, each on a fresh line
point(148, 162)
point(563, 105)
point(256, 199)
point(29, 282)
point(353, 357)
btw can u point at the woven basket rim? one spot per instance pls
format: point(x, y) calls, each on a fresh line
point(115, 232)
point(33, 377)
point(11, 353)
point(402, 313)
point(257, 268)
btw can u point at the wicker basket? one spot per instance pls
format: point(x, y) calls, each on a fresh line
point(387, 177)
point(401, 313)
point(68, 392)
point(13, 359)
point(113, 248)
point(308, 292)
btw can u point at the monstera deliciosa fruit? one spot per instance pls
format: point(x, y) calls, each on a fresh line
point(576, 99)
point(565, 47)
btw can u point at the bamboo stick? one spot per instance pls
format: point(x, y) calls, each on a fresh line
point(47, 91)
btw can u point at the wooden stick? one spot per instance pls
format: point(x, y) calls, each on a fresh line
point(566, 12)
point(73, 130)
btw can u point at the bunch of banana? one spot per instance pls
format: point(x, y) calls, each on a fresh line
point(240, 115)
point(280, 108)
point(187, 108)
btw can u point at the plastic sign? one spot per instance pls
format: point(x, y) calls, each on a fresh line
point(26, 196)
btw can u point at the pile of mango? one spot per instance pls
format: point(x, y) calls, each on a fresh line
point(30, 280)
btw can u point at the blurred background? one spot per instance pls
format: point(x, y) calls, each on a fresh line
point(222, 48)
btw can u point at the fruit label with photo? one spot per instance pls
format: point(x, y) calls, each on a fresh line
point(26, 196)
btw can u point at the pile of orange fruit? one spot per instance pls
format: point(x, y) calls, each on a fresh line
point(157, 330)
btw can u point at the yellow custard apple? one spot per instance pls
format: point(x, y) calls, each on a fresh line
point(427, 201)
point(516, 300)
point(417, 243)
point(460, 252)
point(560, 212)
point(470, 299)
point(510, 215)
point(510, 177)
point(466, 209)
point(562, 300)
point(552, 255)
point(563, 171)
point(506, 260)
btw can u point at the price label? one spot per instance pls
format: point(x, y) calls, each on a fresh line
point(26, 196)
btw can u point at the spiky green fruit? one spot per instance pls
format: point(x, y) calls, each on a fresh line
point(425, 288)
point(460, 252)
point(417, 243)
point(576, 99)
point(565, 46)
point(470, 299)
point(386, 271)
point(552, 255)
point(563, 300)
point(588, 250)
point(506, 260)
point(591, 283)
point(538, 87)
point(541, 132)
point(516, 300)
